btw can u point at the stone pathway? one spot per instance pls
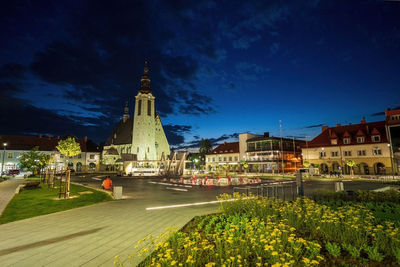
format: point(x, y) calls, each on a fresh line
point(7, 192)
point(89, 236)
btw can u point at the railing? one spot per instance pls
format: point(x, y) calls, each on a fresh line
point(284, 190)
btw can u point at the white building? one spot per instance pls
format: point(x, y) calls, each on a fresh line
point(137, 142)
point(13, 146)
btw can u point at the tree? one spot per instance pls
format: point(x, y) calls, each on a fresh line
point(69, 148)
point(205, 148)
point(31, 160)
point(351, 164)
point(244, 164)
point(306, 164)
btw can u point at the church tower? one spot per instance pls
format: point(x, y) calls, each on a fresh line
point(143, 138)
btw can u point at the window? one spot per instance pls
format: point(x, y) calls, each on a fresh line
point(236, 158)
point(333, 141)
point(322, 154)
point(122, 150)
point(360, 139)
point(346, 141)
point(148, 149)
point(79, 156)
point(10, 155)
point(91, 156)
point(224, 158)
point(376, 138)
point(149, 107)
point(213, 159)
point(361, 153)
point(137, 149)
point(139, 109)
point(230, 158)
point(61, 156)
point(219, 159)
point(377, 151)
point(334, 153)
point(347, 153)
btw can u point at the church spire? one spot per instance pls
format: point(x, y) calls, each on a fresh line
point(145, 81)
point(126, 112)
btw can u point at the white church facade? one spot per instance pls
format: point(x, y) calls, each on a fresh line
point(138, 143)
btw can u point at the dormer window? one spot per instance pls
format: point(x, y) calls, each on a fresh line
point(346, 141)
point(360, 139)
point(376, 138)
point(334, 141)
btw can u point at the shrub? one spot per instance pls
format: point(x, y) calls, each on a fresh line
point(333, 249)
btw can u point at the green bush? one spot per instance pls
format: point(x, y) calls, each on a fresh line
point(333, 249)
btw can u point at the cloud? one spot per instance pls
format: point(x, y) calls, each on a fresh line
point(274, 48)
point(214, 141)
point(175, 133)
point(314, 126)
point(244, 42)
point(249, 71)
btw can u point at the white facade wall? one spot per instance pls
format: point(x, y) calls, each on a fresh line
point(161, 140)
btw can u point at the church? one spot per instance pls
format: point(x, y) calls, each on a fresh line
point(138, 144)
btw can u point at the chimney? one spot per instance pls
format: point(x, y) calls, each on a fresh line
point(266, 134)
point(85, 139)
point(363, 121)
point(338, 125)
point(324, 128)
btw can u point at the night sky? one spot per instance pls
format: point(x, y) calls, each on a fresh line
point(217, 68)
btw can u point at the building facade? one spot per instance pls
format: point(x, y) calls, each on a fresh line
point(393, 130)
point(224, 156)
point(265, 153)
point(137, 142)
point(88, 160)
point(367, 144)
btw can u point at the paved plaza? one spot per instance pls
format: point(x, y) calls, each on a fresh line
point(93, 235)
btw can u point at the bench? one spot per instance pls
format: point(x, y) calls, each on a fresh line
point(32, 184)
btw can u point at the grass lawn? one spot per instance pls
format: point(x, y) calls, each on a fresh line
point(35, 178)
point(34, 202)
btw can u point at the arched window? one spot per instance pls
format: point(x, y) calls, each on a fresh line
point(149, 107)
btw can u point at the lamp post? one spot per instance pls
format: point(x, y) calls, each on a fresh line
point(322, 156)
point(2, 164)
point(391, 158)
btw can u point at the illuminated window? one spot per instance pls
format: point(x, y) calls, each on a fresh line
point(361, 153)
point(360, 139)
point(139, 110)
point(333, 141)
point(376, 138)
point(10, 155)
point(377, 151)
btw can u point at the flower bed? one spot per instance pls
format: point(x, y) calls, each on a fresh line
point(270, 232)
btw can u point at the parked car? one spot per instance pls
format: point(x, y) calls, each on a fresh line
point(13, 172)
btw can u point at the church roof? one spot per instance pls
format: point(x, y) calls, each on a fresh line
point(122, 133)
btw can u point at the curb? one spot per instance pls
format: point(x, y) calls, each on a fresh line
point(97, 189)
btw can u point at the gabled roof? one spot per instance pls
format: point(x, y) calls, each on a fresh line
point(122, 133)
point(225, 148)
point(45, 143)
point(352, 131)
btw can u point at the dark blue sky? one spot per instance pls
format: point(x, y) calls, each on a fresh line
point(217, 67)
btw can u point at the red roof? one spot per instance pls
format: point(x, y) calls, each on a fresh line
point(45, 143)
point(226, 148)
point(351, 131)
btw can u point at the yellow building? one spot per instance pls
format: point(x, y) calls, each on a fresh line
point(366, 144)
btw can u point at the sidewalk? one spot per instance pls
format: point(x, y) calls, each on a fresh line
point(7, 192)
point(89, 236)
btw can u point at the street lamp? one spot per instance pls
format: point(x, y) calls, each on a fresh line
point(2, 164)
point(391, 158)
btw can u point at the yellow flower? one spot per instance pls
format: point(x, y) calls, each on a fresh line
point(173, 262)
point(274, 253)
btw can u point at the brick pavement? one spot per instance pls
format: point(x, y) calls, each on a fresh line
point(89, 236)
